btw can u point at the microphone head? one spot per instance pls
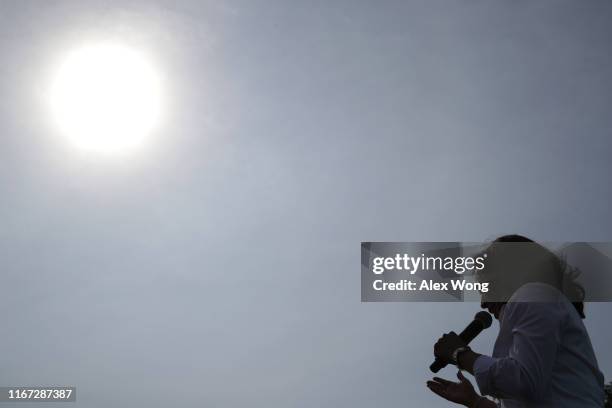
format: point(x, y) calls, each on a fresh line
point(484, 318)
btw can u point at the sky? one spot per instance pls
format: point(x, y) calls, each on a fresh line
point(219, 266)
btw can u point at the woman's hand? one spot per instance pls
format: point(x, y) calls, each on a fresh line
point(461, 392)
point(444, 347)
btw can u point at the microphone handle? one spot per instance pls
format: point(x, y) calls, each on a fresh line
point(467, 335)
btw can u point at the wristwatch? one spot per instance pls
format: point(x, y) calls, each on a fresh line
point(456, 353)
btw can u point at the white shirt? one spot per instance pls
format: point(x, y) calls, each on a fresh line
point(543, 356)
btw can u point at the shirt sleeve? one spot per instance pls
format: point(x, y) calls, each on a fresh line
point(525, 373)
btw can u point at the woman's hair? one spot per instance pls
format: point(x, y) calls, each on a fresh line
point(537, 264)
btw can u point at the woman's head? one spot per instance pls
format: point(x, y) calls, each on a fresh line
point(512, 261)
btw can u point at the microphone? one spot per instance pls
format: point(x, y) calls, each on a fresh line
point(481, 321)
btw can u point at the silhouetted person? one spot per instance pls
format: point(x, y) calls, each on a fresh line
point(543, 356)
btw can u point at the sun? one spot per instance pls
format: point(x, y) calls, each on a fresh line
point(105, 98)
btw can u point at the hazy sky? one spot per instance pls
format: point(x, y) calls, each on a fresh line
point(220, 267)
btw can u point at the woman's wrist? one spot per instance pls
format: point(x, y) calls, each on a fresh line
point(466, 360)
point(476, 402)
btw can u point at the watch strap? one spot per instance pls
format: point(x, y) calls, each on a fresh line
point(456, 353)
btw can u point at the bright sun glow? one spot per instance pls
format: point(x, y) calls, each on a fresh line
point(105, 98)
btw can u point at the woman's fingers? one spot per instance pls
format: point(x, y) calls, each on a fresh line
point(437, 388)
point(461, 377)
point(442, 381)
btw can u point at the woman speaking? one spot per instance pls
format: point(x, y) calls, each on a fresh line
point(543, 356)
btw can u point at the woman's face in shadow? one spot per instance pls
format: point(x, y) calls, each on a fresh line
point(493, 307)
